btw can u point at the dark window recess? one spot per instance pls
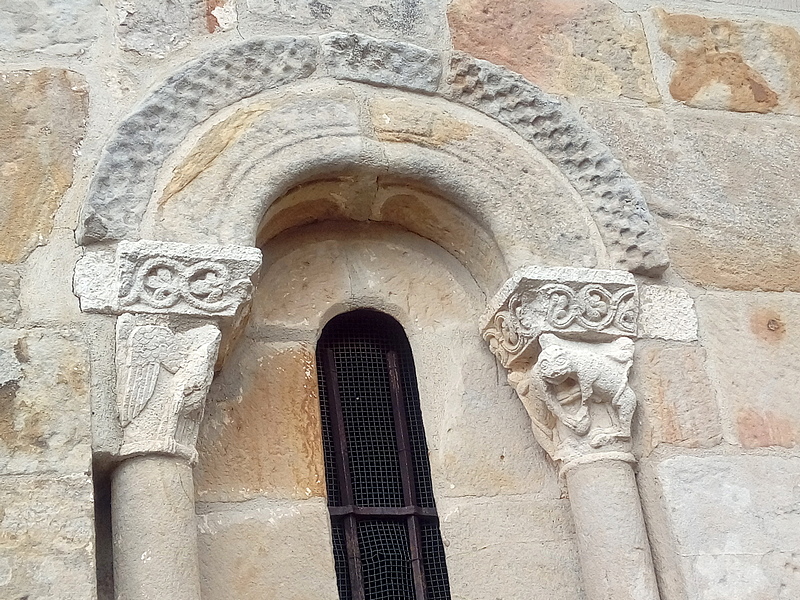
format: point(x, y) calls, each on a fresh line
point(386, 540)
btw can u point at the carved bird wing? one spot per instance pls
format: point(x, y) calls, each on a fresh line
point(148, 347)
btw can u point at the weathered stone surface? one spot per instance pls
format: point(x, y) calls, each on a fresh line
point(9, 295)
point(723, 186)
point(46, 537)
point(262, 434)
point(735, 523)
point(666, 313)
point(44, 403)
point(587, 48)
point(121, 188)
point(614, 199)
point(509, 547)
point(752, 342)
point(677, 402)
point(62, 27)
point(189, 97)
point(362, 58)
point(748, 66)
point(162, 380)
point(42, 125)
point(154, 529)
point(46, 294)
point(154, 27)
point(167, 278)
point(419, 21)
point(249, 549)
point(221, 15)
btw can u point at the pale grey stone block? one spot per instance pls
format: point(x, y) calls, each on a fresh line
point(667, 313)
point(61, 27)
point(357, 57)
point(736, 524)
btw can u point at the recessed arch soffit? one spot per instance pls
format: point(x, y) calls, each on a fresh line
point(124, 180)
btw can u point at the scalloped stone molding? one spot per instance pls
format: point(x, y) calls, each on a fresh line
point(125, 176)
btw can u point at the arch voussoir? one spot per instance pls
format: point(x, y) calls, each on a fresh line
point(124, 180)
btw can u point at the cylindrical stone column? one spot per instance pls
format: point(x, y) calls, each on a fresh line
point(154, 529)
point(612, 539)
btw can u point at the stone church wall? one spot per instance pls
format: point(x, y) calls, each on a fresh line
point(699, 101)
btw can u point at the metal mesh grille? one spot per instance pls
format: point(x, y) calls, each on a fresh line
point(369, 420)
point(370, 407)
point(436, 580)
point(331, 482)
point(385, 560)
point(340, 561)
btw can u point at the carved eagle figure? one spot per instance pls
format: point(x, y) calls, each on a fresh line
point(150, 347)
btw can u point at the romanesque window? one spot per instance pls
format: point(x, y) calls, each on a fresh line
point(386, 539)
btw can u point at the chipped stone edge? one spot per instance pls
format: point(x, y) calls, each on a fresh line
point(121, 187)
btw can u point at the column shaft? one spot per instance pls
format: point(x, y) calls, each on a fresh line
point(612, 539)
point(154, 530)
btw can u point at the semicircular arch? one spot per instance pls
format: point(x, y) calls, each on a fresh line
point(122, 188)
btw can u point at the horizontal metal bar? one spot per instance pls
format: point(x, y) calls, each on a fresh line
point(382, 511)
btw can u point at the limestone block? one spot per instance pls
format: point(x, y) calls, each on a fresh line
point(419, 21)
point(509, 547)
point(262, 434)
point(47, 537)
point(44, 403)
point(677, 402)
point(752, 342)
point(154, 27)
point(743, 66)
point(42, 125)
point(362, 58)
point(667, 313)
point(587, 48)
point(266, 548)
point(61, 27)
point(46, 294)
point(167, 278)
point(735, 523)
point(9, 294)
point(723, 187)
point(479, 435)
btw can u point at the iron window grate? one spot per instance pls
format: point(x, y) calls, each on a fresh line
point(387, 544)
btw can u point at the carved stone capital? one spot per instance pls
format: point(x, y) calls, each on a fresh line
point(566, 337)
point(167, 278)
point(163, 375)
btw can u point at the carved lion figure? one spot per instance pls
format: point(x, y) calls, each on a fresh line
point(601, 372)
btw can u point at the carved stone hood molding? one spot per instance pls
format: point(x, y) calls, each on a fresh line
point(566, 337)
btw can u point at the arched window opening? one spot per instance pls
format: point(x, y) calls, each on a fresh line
point(386, 539)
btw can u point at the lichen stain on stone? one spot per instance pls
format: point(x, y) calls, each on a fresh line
point(762, 429)
point(42, 124)
point(768, 325)
point(209, 148)
point(710, 69)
